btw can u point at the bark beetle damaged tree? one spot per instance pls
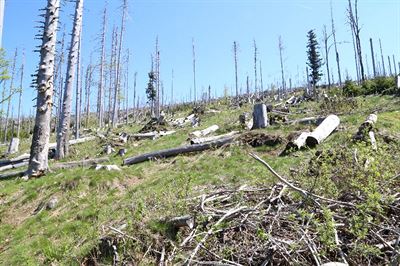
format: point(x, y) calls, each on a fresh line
point(38, 162)
point(63, 126)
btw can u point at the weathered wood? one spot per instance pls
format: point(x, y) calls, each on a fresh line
point(323, 130)
point(13, 175)
point(204, 132)
point(14, 146)
point(212, 138)
point(73, 141)
point(14, 166)
point(21, 158)
point(367, 128)
point(182, 221)
point(307, 121)
point(176, 151)
point(299, 142)
point(83, 163)
point(151, 135)
point(260, 116)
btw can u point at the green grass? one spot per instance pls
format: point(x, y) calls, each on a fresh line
point(143, 194)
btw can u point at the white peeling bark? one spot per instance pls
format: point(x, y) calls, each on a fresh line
point(323, 130)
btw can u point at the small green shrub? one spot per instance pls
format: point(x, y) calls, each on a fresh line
point(350, 88)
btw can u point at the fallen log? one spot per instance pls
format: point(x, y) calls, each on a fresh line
point(73, 142)
point(307, 121)
point(204, 132)
point(176, 151)
point(14, 166)
point(213, 138)
point(151, 135)
point(323, 130)
point(12, 175)
point(367, 129)
point(83, 163)
point(299, 142)
point(19, 159)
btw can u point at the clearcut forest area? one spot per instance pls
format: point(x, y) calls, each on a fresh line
point(107, 165)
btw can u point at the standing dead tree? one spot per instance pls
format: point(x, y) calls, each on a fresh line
point(373, 57)
point(157, 80)
point(336, 49)
point(100, 96)
point(383, 61)
point(255, 67)
point(11, 93)
point(280, 45)
point(64, 124)
point(194, 71)
point(117, 84)
point(78, 90)
point(38, 161)
point(326, 47)
point(20, 95)
point(355, 27)
point(235, 50)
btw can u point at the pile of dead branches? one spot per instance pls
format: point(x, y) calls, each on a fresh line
point(286, 225)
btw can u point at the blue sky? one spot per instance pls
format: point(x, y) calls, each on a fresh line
point(214, 25)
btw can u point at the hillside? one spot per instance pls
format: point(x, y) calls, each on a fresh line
point(243, 214)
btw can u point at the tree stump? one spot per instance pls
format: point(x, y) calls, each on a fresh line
point(260, 116)
point(14, 146)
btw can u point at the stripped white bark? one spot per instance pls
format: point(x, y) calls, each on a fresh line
point(208, 139)
point(40, 140)
point(204, 132)
point(323, 130)
point(300, 141)
point(260, 116)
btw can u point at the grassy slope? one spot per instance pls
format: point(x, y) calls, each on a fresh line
point(142, 194)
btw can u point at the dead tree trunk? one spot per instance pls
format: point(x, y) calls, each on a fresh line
point(373, 57)
point(260, 116)
point(20, 95)
point(194, 72)
point(88, 85)
point(383, 61)
point(38, 161)
point(11, 92)
point(355, 27)
point(118, 67)
point(367, 130)
point(255, 68)
point(323, 130)
point(78, 90)
point(134, 92)
point(280, 45)
point(157, 80)
point(64, 124)
point(326, 38)
point(100, 107)
point(336, 49)
point(236, 67)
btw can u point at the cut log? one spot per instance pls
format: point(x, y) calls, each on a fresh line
point(148, 135)
point(21, 158)
point(14, 146)
point(176, 151)
point(204, 132)
point(14, 166)
point(83, 163)
point(73, 141)
point(307, 121)
point(260, 116)
point(323, 130)
point(182, 221)
point(366, 130)
point(213, 138)
point(299, 142)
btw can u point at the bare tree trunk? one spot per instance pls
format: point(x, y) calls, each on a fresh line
point(20, 95)
point(134, 91)
point(383, 61)
point(255, 68)
point(127, 88)
point(261, 78)
point(157, 77)
point(78, 90)
point(64, 124)
point(281, 60)
point(11, 92)
point(336, 49)
point(355, 57)
point(38, 161)
point(390, 67)
point(353, 19)
point(100, 107)
point(112, 73)
point(88, 85)
point(194, 72)
point(326, 38)
point(118, 67)
point(172, 88)
point(236, 67)
point(373, 57)
point(1, 21)
point(394, 66)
